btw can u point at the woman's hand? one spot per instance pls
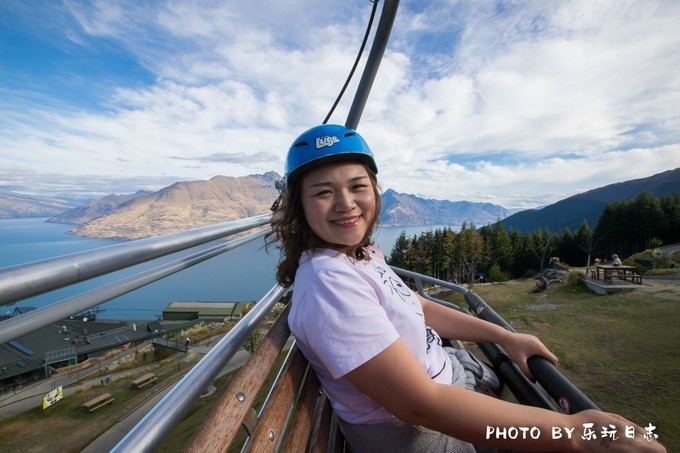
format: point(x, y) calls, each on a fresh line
point(597, 431)
point(521, 346)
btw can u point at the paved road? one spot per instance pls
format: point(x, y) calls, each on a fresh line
point(669, 249)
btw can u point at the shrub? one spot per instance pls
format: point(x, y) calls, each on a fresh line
point(662, 262)
point(575, 278)
point(496, 274)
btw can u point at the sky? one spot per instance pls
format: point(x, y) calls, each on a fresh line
point(515, 103)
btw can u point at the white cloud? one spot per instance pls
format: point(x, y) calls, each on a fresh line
point(519, 103)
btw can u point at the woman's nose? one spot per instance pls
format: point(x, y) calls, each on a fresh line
point(344, 201)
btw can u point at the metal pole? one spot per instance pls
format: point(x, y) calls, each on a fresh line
point(382, 35)
point(28, 322)
point(148, 434)
point(26, 280)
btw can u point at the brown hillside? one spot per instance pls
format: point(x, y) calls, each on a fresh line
point(186, 205)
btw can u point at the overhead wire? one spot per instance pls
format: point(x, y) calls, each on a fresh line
point(280, 185)
point(356, 61)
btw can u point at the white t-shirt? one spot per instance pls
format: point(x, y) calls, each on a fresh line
point(345, 312)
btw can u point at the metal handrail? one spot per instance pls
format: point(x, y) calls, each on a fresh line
point(28, 322)
point(148, 434)
point(26, 280)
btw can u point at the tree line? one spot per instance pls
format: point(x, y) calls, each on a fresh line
point(491, 253)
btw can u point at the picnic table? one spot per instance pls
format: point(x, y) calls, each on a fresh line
point(96, 403)
point(622, 272)
point(144, 381)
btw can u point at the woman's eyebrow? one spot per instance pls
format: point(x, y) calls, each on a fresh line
point(330, 183)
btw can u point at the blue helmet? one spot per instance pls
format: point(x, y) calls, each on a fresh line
point(325, 143)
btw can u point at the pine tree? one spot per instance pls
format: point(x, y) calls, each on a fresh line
point(399, 254)
point(585, 240)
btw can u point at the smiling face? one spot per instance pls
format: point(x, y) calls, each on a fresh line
point(339, 202)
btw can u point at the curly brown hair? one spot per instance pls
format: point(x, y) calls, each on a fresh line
point(293, 235)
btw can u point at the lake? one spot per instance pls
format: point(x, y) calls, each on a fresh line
point(243, 274)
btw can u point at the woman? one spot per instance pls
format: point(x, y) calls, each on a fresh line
point(375, 344)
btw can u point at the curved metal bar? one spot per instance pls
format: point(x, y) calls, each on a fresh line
point(20, 325)
point(421, 291)
point(416, 276)
point(524, 390)
point(382, 35)
point(26, 280)
point(563, 391)
point(148, 434)
point(569, 397)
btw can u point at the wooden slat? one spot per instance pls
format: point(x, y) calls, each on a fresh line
point(320, 441)
point(224, 422)
point(270, 427)
point(336, 441)
point(301, 426)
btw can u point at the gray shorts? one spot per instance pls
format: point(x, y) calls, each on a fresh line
point(397, 437)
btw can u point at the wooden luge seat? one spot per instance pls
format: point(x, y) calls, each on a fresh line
point(295, 417)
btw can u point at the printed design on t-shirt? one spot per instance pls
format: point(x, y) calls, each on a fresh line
point(395, 285)
point(432, 337)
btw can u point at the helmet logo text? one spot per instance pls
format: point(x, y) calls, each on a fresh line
point(328, 140)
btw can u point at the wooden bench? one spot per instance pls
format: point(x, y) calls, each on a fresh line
point(96, 403)
point(144, 381)
point(296, 415)
point(634, 278)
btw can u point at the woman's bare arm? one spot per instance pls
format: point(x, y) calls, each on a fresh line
point(395, 380)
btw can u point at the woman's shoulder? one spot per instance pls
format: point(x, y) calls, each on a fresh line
point(327, 261)
point(328, 258)
point(315, 261)
point(374, 251)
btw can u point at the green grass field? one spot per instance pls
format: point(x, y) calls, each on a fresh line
point(620, 349)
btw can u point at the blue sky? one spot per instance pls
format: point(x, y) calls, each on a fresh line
point(518, 103)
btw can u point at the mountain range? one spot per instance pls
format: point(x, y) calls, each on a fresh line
point(96, 208)
point(182, 206)
point(570, 212)
point(15, 205)
point(191, 204)
point(400, 209)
